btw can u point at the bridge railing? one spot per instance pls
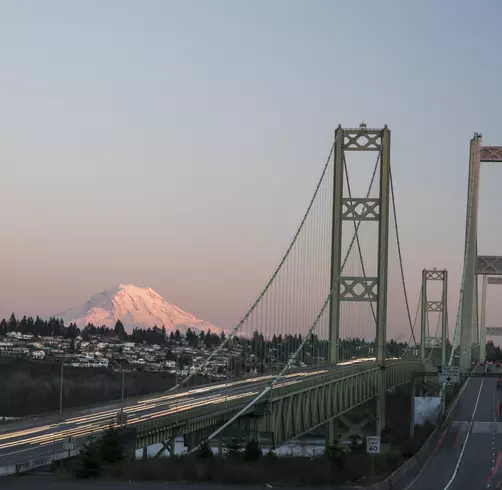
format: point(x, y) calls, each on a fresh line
point(187, 419)
point(115, 404)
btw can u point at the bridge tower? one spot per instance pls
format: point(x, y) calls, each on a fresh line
point(475, 264)
point(483, 329)
point(356, 209)
point(436, 306)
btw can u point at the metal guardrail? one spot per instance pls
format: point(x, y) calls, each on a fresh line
point(47, 460)
point(17, 468)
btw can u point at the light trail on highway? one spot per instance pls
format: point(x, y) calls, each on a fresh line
point(20, 443)
point(157, 407)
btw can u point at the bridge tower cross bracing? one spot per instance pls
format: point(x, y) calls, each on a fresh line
point(439, 306)
point(475, 264)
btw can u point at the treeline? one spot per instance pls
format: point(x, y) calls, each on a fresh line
point(55, 327)
point(259, 346)
point(283, 347)
point(493, 353)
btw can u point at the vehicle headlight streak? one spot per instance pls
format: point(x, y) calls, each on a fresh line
point(162, 406)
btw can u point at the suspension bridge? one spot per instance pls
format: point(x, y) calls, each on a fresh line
point(330, 334)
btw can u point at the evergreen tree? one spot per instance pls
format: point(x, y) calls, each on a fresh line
point(208, 339)
point(120, 330)
point(111, 448)
point(72, 332)
point(12, 323)
point(191, 338)
point(23, 325)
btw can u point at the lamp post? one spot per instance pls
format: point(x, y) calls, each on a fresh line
point(122, 395)
point(61, 386)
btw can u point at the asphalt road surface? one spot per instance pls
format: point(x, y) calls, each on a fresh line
point(468, 454)
point(52, 483)
point(44, 436)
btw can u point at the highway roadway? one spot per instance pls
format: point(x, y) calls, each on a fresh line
point(43, 436)
point(468, 454)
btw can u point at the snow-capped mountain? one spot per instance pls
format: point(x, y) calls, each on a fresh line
point(135, 307)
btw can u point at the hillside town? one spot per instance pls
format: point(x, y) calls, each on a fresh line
point(178, 356)
point(151, 349)
point(156, 350)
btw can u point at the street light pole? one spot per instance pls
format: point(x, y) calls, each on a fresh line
point(122, 395)
point(123, 389)
point(61, 388)
point(61, 377)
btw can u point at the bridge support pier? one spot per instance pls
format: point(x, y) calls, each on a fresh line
point(380, 406)
point(367, 419)
point(253, 429)
point(331, 433)
point(413, 387)
point(191, 440)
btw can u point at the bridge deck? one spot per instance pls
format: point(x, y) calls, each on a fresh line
point(322, 394)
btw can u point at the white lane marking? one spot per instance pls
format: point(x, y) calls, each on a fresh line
point(28, 449)
point(466, 438)
point(467, 381)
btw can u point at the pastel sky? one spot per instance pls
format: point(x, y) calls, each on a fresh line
point(176, 144)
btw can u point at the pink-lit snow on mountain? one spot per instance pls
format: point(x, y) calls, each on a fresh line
point(135, 307)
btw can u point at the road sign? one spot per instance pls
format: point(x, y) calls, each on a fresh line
point(433, 342)
point(68, 444)
point(448, 374)
point(373, 444)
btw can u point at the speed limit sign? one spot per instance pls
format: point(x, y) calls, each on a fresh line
point(373, 445)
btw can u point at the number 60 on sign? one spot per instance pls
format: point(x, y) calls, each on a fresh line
point(373, 445)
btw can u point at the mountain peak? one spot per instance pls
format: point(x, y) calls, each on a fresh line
point(135, 307)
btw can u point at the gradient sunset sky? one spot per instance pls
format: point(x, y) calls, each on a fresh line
point(176, 144)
